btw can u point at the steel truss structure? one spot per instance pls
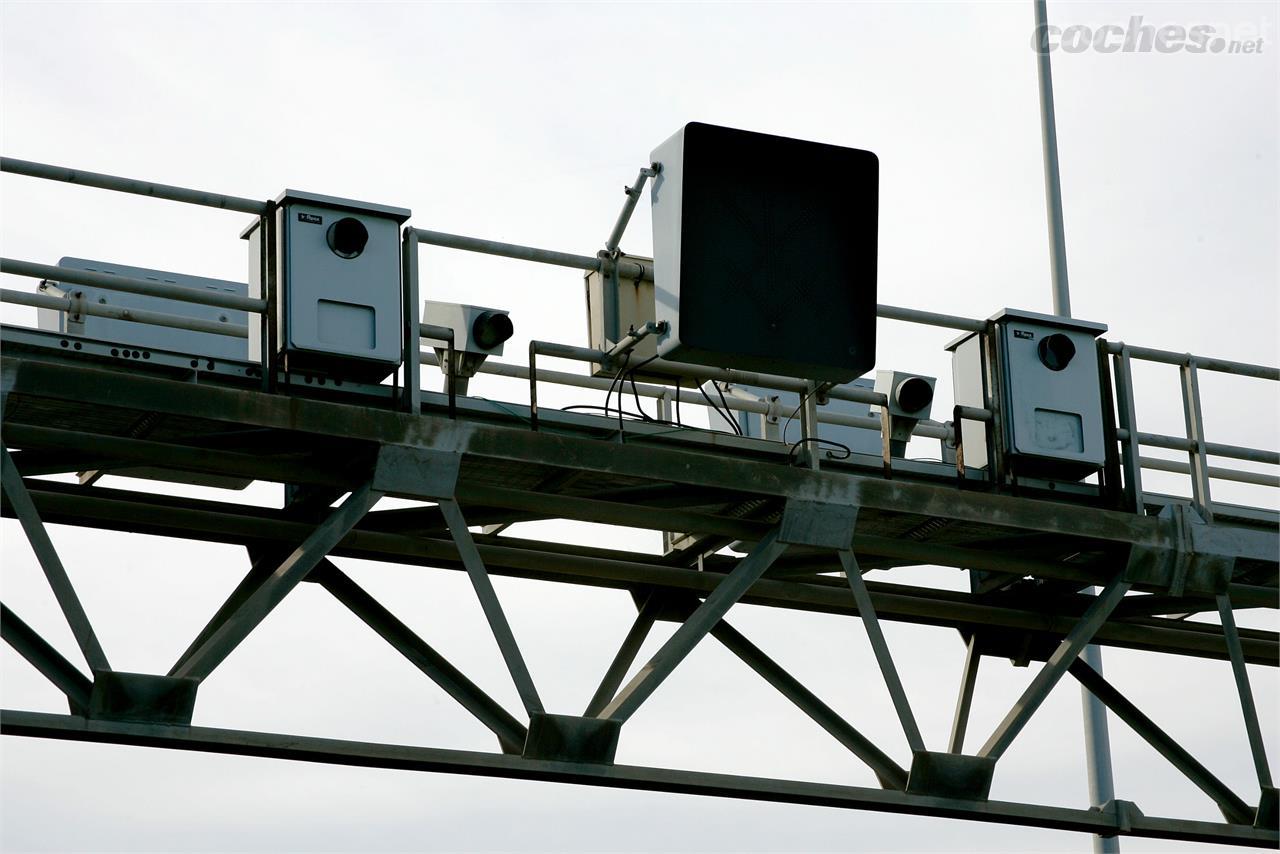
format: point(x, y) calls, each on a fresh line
point(811, 528)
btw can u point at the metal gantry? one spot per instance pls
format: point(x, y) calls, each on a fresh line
point(810, 529)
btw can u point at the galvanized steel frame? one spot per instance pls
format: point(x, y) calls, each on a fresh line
point(288, 549)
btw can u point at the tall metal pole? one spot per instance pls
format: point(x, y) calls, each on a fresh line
point(1052, 184)
point(1097, 739)
point(1097, 748)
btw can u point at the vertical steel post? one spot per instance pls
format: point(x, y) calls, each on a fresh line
point(1130, 450)
point(412, 336)
point(1198, 458)
point(271, 286)
point(808, 426)
point(1096, 738)
point(1052, 182)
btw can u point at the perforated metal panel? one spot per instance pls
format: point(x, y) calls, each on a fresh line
point(144, 335)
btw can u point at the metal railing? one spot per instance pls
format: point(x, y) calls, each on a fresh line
point(75, 305)
point(612, 262)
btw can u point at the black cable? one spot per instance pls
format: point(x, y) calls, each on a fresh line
point(848, 452)
point(631, 376)
point(713, 405)
point(796, 412)
point(737, 428)
point(608, 397)
point(634, 416)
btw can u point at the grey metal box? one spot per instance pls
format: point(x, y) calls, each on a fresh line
point(461, 319)
point(144, 336)
point(1051, 392)
point(635, 302)
point(340, 303)
point(765, 253)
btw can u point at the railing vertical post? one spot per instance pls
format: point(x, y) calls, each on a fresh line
point(271, 291)
point(808, 426)
point(993, 402)
point(412, 334)
point(1127, 415)
point(1199, 458)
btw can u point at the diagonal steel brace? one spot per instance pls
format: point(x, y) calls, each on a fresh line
point(54, 571)
point(1070, 647)
point(730, 589)
point(881, 648)
point(493, 612)
point(44, 658)
point(262, 601)
point(510, 732)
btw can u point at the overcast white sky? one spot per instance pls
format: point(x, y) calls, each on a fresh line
point(521, 122)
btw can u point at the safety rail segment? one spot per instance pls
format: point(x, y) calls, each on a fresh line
point(1126, 432)
point(929, 429)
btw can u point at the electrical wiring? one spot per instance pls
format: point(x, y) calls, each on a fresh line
point(848, 452)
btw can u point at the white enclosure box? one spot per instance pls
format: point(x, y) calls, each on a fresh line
point(476, 329)
point(146, 336)
point(635, 308)
point(1051, 391)
point(341, 294)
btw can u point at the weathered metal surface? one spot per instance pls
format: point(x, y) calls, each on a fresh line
point(486, 469)
point(370, 755)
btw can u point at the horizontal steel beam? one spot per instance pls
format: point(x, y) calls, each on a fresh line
point(643, 460)
point(294, 469)
point(217, 522)
point(278, 467)
point(436, 760)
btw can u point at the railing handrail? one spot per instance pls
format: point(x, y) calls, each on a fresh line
point(102, 181)
point(629, 268)
point(131, 285)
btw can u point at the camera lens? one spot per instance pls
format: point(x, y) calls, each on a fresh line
point(490, 329)
point(1056, 351)
point(914, 394)
point(347, 237)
